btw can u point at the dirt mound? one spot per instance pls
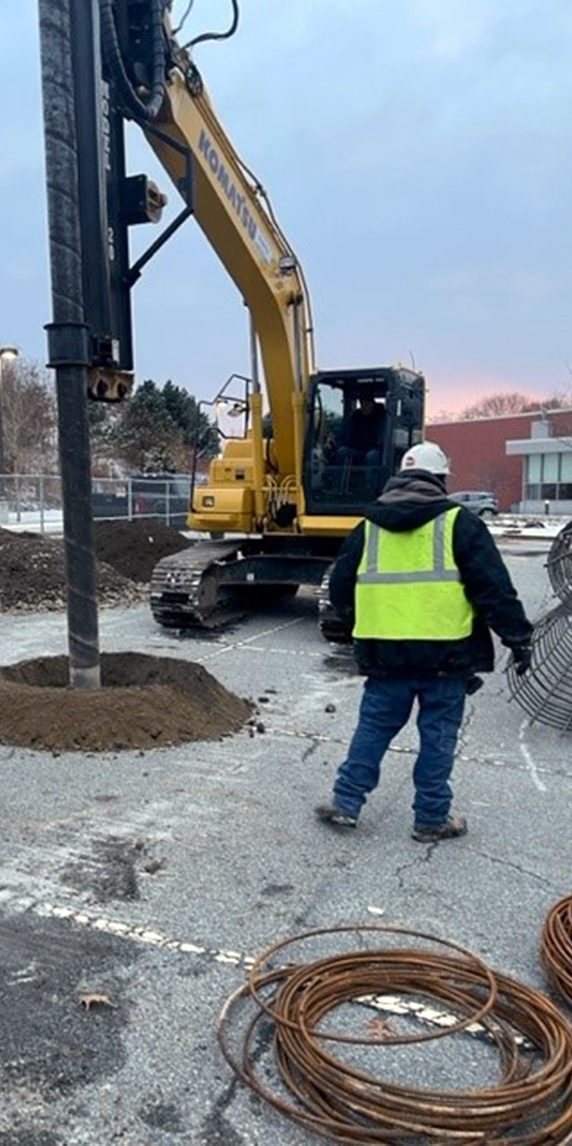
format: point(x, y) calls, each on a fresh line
point(32, 576)
point(135, 547)
point(144, 702)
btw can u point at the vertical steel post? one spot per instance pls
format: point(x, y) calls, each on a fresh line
point(42, 494)
point(68, 336)
point(2, 462)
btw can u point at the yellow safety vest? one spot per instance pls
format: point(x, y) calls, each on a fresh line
point(409, 587)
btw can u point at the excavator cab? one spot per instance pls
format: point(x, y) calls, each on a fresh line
point(359, 425)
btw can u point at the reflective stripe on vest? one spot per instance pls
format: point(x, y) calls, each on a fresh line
point(408, 585)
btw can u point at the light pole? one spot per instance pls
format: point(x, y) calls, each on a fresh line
point(7, 354)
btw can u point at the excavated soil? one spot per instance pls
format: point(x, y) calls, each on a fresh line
point(135, 547)
point(144, 702)
point(32, 566)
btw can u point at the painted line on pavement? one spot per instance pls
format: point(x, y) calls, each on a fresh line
point(149, 937)
point(232, 645)
point(528, 757)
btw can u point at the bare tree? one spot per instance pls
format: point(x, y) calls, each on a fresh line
point(28, 418)
point(104, 420)
point(506, 402)
point(503, 402)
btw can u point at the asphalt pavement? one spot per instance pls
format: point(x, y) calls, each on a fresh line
point(135, 887)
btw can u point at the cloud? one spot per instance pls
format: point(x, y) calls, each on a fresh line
point(452, 28)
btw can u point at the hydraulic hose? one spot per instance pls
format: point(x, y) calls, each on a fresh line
point(206, 36)
point(138, 109)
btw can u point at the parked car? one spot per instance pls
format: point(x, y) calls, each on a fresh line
point(162, 496)
point(485, 504)
point(165, 496)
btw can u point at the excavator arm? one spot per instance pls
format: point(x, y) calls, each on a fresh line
point(229, 207)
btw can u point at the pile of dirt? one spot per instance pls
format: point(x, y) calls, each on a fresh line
point(32, 576)
point(144, 702)
point(135, 547)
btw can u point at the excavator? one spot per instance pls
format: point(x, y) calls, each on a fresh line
point(289, 481)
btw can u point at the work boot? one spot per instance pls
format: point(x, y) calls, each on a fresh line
point(450, 829)
point(330, 814)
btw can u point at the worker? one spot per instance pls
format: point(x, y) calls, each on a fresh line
point(423, 581)
point(360, 438)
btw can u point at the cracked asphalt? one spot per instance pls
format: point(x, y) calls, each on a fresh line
point(149, 879)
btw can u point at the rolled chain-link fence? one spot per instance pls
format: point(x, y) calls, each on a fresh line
point(545, 690)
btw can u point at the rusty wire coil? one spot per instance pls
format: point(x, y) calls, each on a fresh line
point(556, 946)
point(559, 564)
point(325, 1093)
point(545, 690)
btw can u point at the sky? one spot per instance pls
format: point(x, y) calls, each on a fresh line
point(418, 154)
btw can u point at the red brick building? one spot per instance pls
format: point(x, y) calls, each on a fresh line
point(535, 467)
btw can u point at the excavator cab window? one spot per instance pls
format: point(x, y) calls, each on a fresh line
point(359, 425)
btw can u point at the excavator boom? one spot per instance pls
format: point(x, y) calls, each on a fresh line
point(228, 209)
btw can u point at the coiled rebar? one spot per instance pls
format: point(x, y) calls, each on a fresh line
point(556, 946)
point(545, 690)
point(338, 1098)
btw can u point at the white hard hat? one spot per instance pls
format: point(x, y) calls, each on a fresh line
point(426, 456)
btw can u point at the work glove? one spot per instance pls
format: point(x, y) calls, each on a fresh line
point(522, 657)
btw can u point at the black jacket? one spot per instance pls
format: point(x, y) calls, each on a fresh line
point(408, 502)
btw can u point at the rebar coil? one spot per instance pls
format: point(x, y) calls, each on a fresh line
point(545, 690)
point(559, 564)
point(556, 947)
point(531, 1104)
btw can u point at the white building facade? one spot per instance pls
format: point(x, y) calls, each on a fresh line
point(546, 471)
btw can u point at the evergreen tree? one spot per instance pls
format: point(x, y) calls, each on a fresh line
point(147, 436)
point(195, 426)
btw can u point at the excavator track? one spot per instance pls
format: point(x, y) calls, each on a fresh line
point(185, 588)
point(214, 584)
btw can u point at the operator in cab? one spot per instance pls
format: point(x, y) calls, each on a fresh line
point(361, 434)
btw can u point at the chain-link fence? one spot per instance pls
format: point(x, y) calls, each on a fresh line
point(34, 501)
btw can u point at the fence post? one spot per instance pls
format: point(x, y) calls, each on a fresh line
point(17, 498)
point(42, 494)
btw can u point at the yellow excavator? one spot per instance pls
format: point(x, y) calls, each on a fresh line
point(293, 476)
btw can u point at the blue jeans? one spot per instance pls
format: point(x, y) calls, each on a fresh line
point(385, 708)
